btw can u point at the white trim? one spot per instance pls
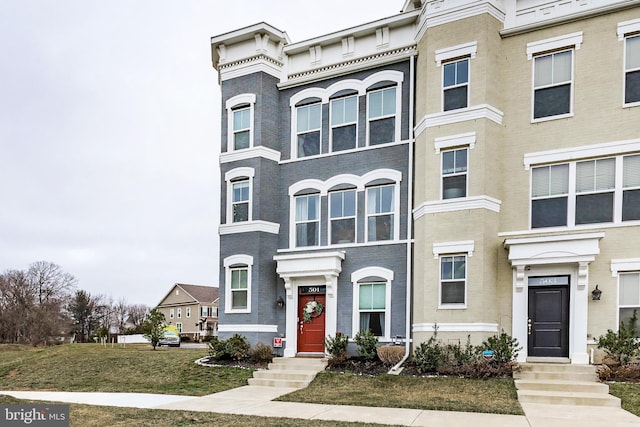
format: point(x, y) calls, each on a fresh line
point(556, 249)
point(454, 327)
point(360, 182)
point(459, 140)
point(245, 98)
point(250, 153)
point(482, 111)
point(627, 27)
point(436, 13)
point(239, 172)
point(582, 152)
point(460, 204)
point(247, 328)
point(621, 265)
point(228, 263)
point(573, 40)
point(382, 272)
point(458, 51)
point(395, 212)
point(242, 172)
point(356, 277)
point(453, 248)
point(249, 227)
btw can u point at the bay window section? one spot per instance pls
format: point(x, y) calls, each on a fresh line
point(380, 213)
point(632, 70)
point(343, 216)
point(382, 116)
point(240, 200)
point(241, 128)
point(455, 85)
point(629, 297)
point(549, 196)
point(453, 278)
point(454, 173)
point(308, 129)
point(344, 118)
point(631, 188)
point(595, 184)
point(307, 220)
point(372, 306)
point(552, 84)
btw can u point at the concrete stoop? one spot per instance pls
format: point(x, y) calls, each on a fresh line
point(562, 384)
point(294, 372)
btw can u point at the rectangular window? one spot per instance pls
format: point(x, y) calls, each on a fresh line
point(454, 173)
point(453, 279)
point(343, 216)
point(205, 311)
point(632, 70)
point(179, 327)
point(372, 305)
point(308, 130)
point(629, 296)
point(239, 277)
point(595, 182)
point(549, 196)
point(455, 85)
point(241, 128)
point(240, 200)
point(308, 220)
point(344, 118)
point(380, 213)
point(631, 188)
point(381, 114)
point(552, 84)
point(179, 313)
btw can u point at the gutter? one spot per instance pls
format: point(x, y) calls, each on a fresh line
point(407, 352)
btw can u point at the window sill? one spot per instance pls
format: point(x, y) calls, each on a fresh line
point(631, 105)
point(452, 306)
point(550, 118)
point(237, 311)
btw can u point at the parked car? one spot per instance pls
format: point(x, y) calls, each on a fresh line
point(170, 337)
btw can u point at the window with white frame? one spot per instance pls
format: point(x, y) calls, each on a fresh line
point(454, 173)
point(179, 313)
point(342, 212)
point(308, 127)
point(205, 311)
point(241, 127)
point(380, 213)
point(453, 280)
point(239, 288)
point(344, 119)
point(372, 304)
point(586, 192)
point(455, 84)
point(179, 327)
point(631, 188)
point(381, 115)
point(552, 84)
point(632, 69)
point(188, 312)
point(307, 222)
point(171, 313)
point(629, 296)
point(240, 200)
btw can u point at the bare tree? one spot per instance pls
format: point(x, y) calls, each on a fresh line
point(120, 315)
point(137, 314)
point(50, 281)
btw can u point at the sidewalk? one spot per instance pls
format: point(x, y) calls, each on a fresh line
point(257, 400)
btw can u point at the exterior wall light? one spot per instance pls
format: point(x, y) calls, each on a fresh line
point(595, 294)
point(280, 302)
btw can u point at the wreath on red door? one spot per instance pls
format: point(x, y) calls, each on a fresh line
point(312, 309)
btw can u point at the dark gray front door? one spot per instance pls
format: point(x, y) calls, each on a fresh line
point(548, 323)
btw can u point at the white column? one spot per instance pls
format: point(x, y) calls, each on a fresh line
point(331, 309)
point(519, 312)
point(291, 347)
point(579, 354)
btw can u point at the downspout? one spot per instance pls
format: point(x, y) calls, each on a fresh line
point(407, 342)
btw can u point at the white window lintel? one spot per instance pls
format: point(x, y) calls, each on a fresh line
point(627, 27)
point(568, 40)
point(462, 139)
point(466, 49)
point(466, 246)
point(628, 264)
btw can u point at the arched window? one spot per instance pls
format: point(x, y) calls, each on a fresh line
point(372, 301)
point(240, 112)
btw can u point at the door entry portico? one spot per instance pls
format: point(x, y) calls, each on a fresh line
point(311, 328)
point(548, 320)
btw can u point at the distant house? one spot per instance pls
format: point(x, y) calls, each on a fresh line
point(193, 309)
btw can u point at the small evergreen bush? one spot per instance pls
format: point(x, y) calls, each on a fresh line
point(505, 347)
point(624, 345)
point(429, 355)
point(367, 344)
point(337, 346)
point(235, 348)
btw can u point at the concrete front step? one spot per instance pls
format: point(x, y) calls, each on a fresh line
point(292, 372)
point(557, 372)
point(558, 385)
point(567, 398)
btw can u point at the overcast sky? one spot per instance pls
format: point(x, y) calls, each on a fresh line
point(110, 133)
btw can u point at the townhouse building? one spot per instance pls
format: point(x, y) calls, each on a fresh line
point(465, 167)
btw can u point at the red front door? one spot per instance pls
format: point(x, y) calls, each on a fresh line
point(311, 333)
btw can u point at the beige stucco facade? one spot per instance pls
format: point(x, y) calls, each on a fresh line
point(491, 226)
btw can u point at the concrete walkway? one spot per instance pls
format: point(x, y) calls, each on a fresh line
point(258, 400)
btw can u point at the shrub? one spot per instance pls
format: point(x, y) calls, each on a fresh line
point(505, 348)
point(337, 346)
point(428, 356)
point(622, 346)
point(367, 344)
point(217, 348)
point(390, 355)
point(261, 353)
point(456, 355)
point(236, 348)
